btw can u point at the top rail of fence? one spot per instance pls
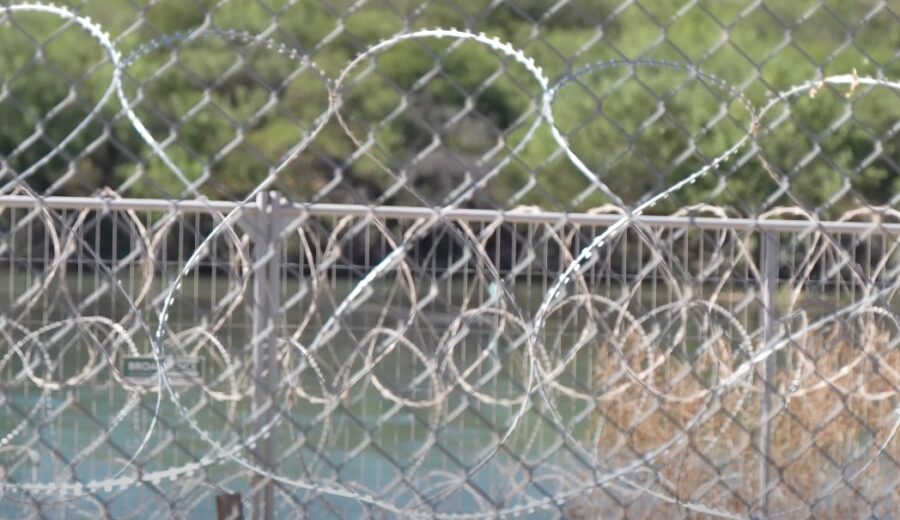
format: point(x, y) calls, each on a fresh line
point(469, 215)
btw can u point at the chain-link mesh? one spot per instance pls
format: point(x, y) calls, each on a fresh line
point(323, 258)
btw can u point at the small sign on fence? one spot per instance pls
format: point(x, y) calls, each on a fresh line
point(181, 370)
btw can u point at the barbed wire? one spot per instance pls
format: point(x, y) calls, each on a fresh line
point(542, 360)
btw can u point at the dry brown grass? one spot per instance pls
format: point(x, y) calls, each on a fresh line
point(835, 395)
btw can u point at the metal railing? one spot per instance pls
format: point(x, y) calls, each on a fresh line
point(515, 216)
point(655, 391)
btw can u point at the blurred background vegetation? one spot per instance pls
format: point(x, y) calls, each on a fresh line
point(442, 115)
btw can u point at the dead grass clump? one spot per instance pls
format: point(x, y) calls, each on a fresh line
point(830, 448)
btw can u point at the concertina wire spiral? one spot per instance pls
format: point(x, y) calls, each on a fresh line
point(544, 366)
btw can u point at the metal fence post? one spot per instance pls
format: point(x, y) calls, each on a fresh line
point(266, 304)
point(769, 257)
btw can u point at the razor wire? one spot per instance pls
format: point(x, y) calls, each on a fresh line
point(543, 360)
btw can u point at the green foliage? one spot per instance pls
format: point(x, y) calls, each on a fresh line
point(228, 112)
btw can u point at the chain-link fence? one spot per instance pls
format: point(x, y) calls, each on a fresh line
point(303, 258)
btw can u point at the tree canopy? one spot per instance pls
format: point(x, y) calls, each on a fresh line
point(440, 115)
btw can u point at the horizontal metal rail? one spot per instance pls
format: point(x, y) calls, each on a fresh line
point(471, 215)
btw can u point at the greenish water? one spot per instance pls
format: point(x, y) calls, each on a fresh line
point(363, 441)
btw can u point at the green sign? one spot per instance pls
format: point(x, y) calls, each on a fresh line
point(181, 370)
